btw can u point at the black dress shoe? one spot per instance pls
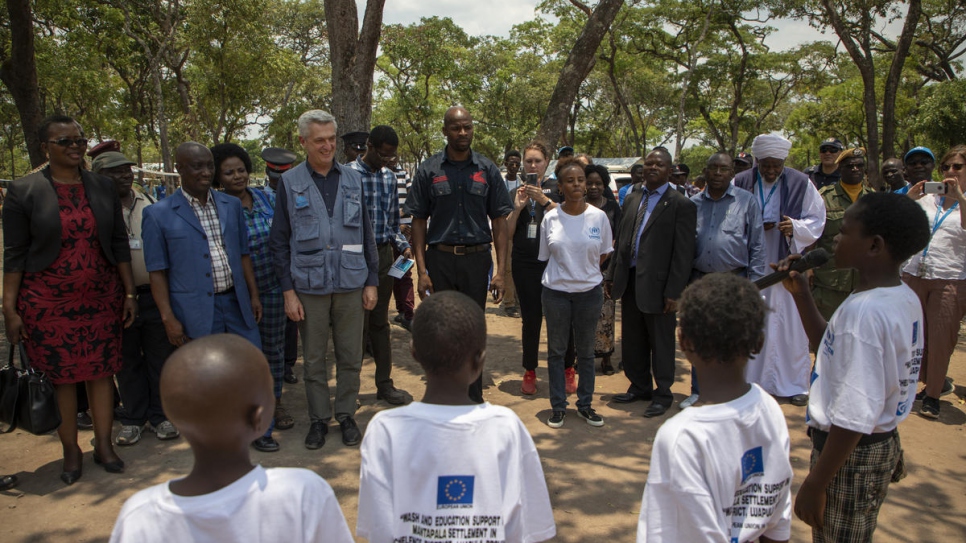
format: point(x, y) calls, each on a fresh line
point(393, 395)
point(265, 444)
point(350, 432)
point(316, 436)
point(7, 482)
point(290, 378)
point(70, 477)
point(655, 410)
point(629, 397)
point(116, 466)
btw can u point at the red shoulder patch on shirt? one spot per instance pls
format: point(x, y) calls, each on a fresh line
point(440, 179)
point(477, 177)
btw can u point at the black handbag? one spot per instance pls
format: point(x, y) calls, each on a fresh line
point(27, 398)
point(9, 390)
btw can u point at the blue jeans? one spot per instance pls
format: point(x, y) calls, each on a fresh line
point(578, 311)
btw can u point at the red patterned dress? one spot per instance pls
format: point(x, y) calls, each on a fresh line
point(72, 311)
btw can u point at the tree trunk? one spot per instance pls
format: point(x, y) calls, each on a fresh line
point(19, 75)
point(692, 62)
point(864, 62)
point(579, 63)
point(353, 59)
point(894, 78)
point(621, 102)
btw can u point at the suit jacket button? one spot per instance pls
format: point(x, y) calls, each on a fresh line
point(206, 256)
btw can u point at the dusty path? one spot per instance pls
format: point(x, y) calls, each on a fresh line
point(595, 475)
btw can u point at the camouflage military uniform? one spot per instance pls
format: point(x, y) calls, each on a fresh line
point(831, 286)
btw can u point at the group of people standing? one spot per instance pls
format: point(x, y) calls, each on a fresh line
point(101, 280)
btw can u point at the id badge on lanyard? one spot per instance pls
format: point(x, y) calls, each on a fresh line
point(532, 230)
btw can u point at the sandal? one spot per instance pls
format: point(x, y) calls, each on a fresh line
point(283, 421)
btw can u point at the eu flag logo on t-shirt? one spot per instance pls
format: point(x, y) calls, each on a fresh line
point(454, 489)
point(752, 464)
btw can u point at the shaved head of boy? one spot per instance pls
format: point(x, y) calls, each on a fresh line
point(218, 391)
point(449, 342)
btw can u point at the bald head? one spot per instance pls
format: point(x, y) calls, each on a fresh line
point(196, 167)
point(456, 112)
point(217, 386)
point(188, 149)
point(458, 129)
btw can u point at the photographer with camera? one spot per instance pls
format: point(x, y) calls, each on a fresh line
point(938, 273)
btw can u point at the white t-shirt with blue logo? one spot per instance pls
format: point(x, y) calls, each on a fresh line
point(720, 474)
point(464, 473)
point(868, 363)
point(573, 245)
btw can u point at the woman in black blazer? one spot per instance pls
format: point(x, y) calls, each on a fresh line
point(67, 284)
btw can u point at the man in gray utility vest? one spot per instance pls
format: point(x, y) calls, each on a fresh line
point(326, 261)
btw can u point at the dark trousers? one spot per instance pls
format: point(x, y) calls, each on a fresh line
point(291, 345)
point(647, 340)
point(377, 321)
point(527, 279)
point(404, 293)
point(571, 318)
point(145, 347)
point(463, 273)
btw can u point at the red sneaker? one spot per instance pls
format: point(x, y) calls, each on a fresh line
point(529, 385)
point(570, 374)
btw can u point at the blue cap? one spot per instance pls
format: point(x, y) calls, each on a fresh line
point(923, 150)
point(565, 148)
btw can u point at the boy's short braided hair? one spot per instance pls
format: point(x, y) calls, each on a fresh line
point(722, 316)
point(897, 218)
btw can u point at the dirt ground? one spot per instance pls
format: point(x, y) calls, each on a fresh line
point(595, 475)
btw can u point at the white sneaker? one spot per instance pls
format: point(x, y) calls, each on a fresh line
point(688, 402)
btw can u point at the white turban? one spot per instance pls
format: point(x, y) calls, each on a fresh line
point(770, 146)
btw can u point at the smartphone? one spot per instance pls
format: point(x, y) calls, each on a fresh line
point(531, 179)
point(934, 187)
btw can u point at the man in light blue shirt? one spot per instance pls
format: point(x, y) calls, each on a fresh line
point(637, 178)
point(729, 233)
point(729, 225)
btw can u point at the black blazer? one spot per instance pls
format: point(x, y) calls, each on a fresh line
point(31, 221)
point(665, 254)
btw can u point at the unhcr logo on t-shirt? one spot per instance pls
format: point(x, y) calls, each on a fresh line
point(454, 491)
point(594, 233)
point(752, 463)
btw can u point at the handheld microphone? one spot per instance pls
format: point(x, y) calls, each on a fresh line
point(812, 259)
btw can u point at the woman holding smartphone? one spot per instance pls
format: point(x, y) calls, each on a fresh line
point(575, 239)
point(938, 276)
point(531, 202)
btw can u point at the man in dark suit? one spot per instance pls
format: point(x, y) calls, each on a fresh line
point(652, 263)
point(196, 253)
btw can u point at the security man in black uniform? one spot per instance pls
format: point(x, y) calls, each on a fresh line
point(464, 193)
point(827, 171)
point(278, 161)
point(355, 145)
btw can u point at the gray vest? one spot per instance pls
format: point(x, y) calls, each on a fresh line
point(328, 254)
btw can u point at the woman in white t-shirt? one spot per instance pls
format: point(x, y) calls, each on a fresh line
point(575, 239)
point(938, 276)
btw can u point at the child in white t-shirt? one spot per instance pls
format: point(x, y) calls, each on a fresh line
point(446, 468)
point(218, 391)
point(719, 470)
point(866, 368)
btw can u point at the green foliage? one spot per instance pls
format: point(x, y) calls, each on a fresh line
point(244, 70)
point(941, 119)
